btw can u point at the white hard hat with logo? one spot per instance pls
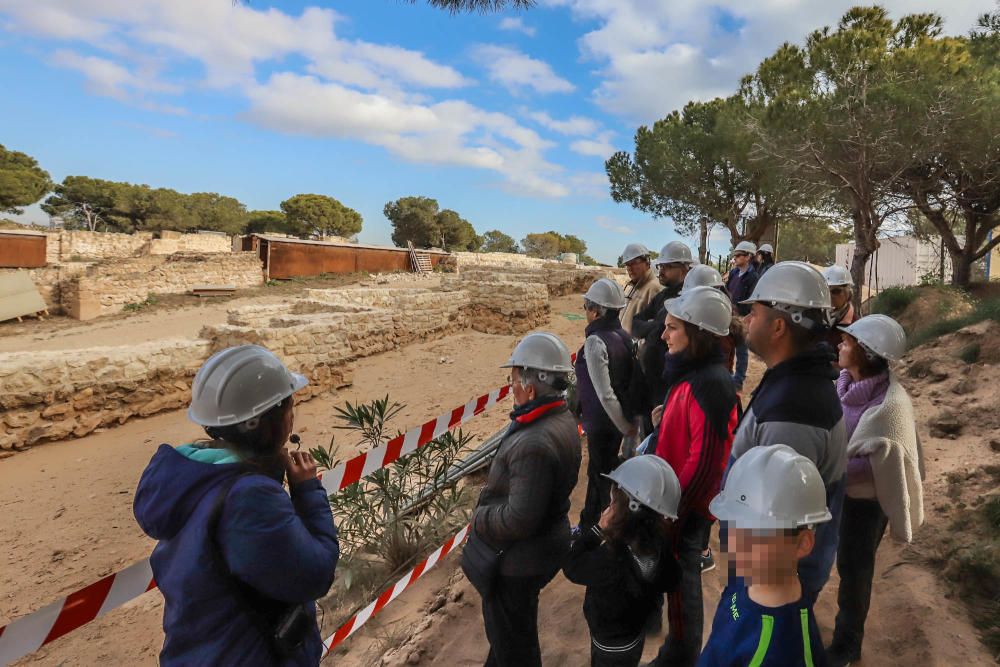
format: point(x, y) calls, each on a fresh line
point(702, 275)
point(239, 383)
point(837, 276)
point(606, 292)
point(705, 307)
point(745, 246)
point(772, 487)
point(675, 252)
point(633, 251)
point(793, 287)
point(649, 481)
point(880, 335)
point(541, 351)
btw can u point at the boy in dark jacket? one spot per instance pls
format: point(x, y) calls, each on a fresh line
point(626, 561)
point(772, 499)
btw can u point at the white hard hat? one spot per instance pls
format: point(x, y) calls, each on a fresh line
point(793, 287)
point(675, 252)
point(238, 384)
point(746, 246)
point(880, 335)
point(606, 292)
point(650, 481)
point(837, 275)
point(702, 275)
point(767, 247)
point(705, 307)
point(772, 487)
point(541, 351)
point(633, 250)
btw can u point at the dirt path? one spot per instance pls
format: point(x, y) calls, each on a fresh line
point(67, 519)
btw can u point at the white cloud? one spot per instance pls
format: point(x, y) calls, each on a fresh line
point(613, 224)
point(572, 126)
point(451, 132)
point(600, 147)
point(516, 24)
point(653, 57)
point(109, 79)
point(515, 70)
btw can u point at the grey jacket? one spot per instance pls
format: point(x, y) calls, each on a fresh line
point(523, 507)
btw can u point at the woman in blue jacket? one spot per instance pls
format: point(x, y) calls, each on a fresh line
point(239, 561)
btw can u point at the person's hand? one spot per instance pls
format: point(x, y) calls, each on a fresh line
point(300, 466)
point(657, 415)
point(633, 432)
point(607, 517)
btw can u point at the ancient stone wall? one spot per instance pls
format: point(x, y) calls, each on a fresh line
point(72, 246)
point(106, 287)
point(173, 242)
point(50, 281)
point(52, 395)
point(483, 259)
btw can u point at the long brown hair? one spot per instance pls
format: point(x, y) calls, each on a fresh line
point(644, 530)
point(702, 345)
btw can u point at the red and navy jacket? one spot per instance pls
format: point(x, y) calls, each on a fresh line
point(696, 433)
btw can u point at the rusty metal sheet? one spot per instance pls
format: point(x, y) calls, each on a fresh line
point(292, 260)
point(21, 251)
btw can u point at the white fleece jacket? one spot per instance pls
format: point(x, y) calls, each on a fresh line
point(887, 435)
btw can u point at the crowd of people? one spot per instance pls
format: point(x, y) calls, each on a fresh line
point(822, 459)
point(811, 470)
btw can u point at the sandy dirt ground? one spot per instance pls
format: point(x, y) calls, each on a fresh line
point(67, 520)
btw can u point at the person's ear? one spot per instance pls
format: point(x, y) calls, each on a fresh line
point(805, 543)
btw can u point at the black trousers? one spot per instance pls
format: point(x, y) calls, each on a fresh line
point(861, 530)
point(684, 607)
point(604, 656)
point(510, 615)
point(603, 446)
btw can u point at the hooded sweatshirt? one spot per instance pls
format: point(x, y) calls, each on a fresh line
point(284, 550)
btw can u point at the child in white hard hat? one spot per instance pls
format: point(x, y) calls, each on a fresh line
point(626, 561)
point(771, 500)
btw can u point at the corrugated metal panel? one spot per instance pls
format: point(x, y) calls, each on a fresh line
point(22, 251)
point(901, 261)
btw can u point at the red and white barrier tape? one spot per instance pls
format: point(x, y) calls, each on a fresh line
point(361, 466)
point(388, 595)
point(29, 633)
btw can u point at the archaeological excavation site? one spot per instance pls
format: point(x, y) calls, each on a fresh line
point(405, 395)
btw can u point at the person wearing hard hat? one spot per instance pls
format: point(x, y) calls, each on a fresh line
point(642, 285)
point(627, 561)
point(704, 275)
point(604, 367)
point(239, 562)
point(885, 470)
point(740, 283)
point(695, 424)
point(672, 265)
point(765, 259)
point(771, 504)
point(841, 299)
point(520, 529)
point(796, 401)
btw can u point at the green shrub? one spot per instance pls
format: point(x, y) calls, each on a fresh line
point(892, 301)
point(970, 353)
point(988, 309)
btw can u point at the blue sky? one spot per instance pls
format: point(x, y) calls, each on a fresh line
point(505, 118)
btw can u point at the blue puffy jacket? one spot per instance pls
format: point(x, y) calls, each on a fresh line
point(283, 548)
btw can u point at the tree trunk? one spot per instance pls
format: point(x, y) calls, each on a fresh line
point(702, 239)
point(865, 245)
point(961, 267)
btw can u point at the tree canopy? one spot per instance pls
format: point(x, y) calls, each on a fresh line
point(22, 181)
point(419, 221)
point(310, 215)
point(496, 241)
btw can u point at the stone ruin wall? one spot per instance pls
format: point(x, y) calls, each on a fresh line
point(72, 246)
point(105, 288)
point(56, 395)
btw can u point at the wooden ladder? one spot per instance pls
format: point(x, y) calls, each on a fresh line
point(419, 262)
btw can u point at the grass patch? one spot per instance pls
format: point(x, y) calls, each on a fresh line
point(139, 306)
point(970, 353)
point(988, 309)
point(892, 301)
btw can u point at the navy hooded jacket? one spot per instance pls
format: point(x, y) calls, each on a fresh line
point(284, 548)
